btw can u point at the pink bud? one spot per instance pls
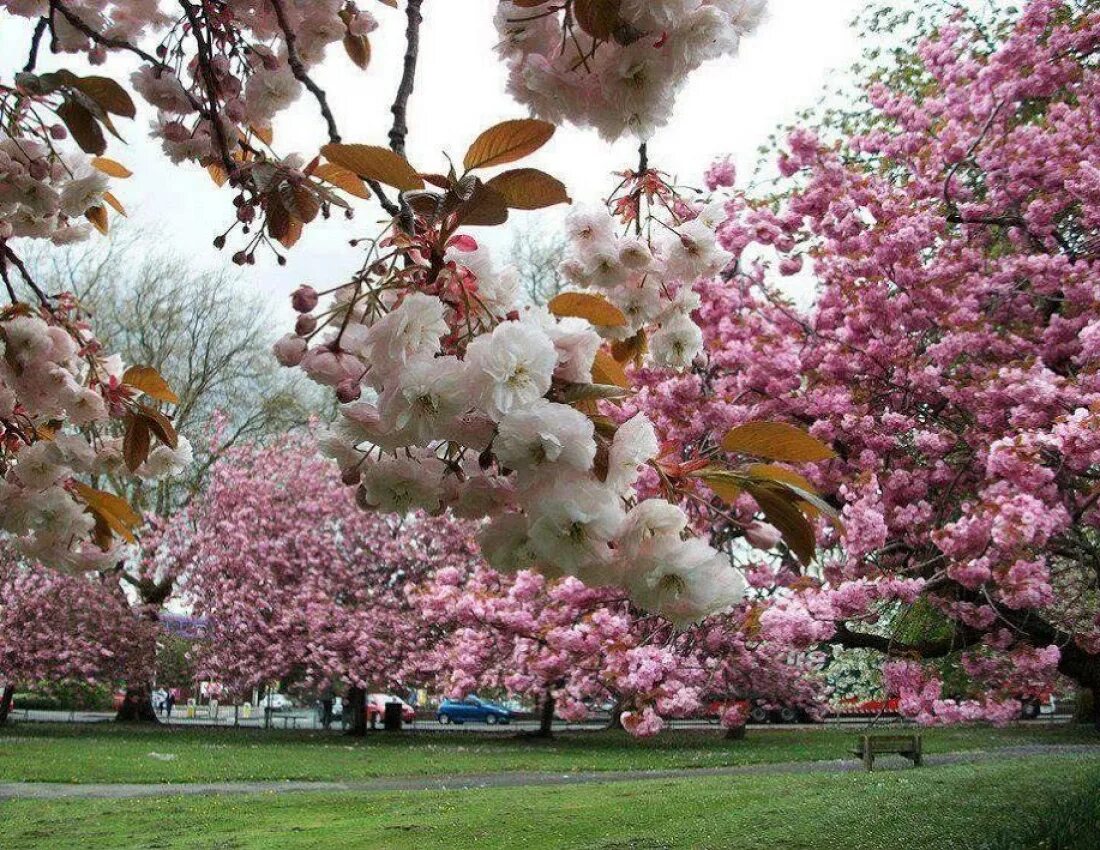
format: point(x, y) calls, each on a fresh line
point(762, 535)
point(348, 391)
point(304, 299)
point(290, 350)
point(305, 325)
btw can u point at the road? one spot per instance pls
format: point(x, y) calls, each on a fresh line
point(307, 720)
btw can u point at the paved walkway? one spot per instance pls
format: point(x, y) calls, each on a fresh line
point(56, 791)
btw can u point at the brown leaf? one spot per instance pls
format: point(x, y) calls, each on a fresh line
point(136, 443)
point(776, 441)
point(598, 18)
point(631, 350)
point(779, 509)
point(114, 202)
point(98, 217)
point(606, 370)
point(583, 305)
point(302, 203)
point(358, 49)
point(149, 381)
point(115, 511)
point(111, 168)
point(529, 189)
point(508, 141)
point(485, 208)
point(727, 486)
point(108, 94)
point(342, 178)
point(375, 163)
point(159, 424)
point(217, 174)
point(82, 126)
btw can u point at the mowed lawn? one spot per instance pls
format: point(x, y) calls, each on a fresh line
point(994, 806)
point(108, 753)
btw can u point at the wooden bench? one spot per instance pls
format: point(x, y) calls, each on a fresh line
point(870, 746)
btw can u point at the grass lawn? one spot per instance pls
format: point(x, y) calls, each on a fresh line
point(958, 807)
point(108, 753)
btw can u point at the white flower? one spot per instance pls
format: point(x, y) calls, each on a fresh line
point(635, 444)
point(677, 343)
point(83, 193)
point(589, 224)
point(166, 462)
point(685, 581)
point(39, 465)
point(512, 367)
point(268, 92)
point(647, 521)
point(546, 433)
point(693, 252)
point(634, 253)
point(412, 330)
point(480, 496)
point(506, 546)
point(603, 267)
point(403, 484)
point(572, 527)
point(576, 344)
point(713, 214)
point(431, 392)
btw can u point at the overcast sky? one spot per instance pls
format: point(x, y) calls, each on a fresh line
point(729, 107)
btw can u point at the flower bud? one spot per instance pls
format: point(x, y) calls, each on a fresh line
point(305, 325)
point(304, 299)
point(348, 391)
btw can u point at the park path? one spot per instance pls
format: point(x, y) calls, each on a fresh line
point(513, 779)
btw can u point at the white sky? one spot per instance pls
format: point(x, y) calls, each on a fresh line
point(729, 107)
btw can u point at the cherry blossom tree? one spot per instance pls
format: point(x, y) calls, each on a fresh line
point(57, 628)
point(296, 583)
point(948, 358)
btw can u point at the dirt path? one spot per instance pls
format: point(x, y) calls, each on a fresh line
point(57, 791)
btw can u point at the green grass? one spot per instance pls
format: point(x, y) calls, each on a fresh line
point(956, 807)
point(108, 753)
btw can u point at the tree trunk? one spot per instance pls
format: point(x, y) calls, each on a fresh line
point(546, 715)
point(137, 706)
point(736, 733)
point(5, 703)
point(616, 719)
point(357, 704)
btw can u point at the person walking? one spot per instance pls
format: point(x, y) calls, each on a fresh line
point(169, 702)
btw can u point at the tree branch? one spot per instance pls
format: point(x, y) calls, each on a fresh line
point(300, 72)
point(400, 106)
point(36, 40)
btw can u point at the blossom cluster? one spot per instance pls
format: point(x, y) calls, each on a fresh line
point(43, 196)
point(616, 66)
point(57, 395)
point(649, 277)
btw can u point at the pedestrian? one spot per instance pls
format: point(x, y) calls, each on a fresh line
point(326, 710)
point(169, 701)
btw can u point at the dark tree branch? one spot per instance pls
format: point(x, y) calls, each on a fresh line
point(206, 69)
point(643, 167)
point(36, 40)
point(300, 72)
point(99, 38)
point(400, 106)
point(887, 646)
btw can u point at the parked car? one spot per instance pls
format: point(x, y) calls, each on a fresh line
point(856, 707)
point(472, 709)
point(276, 702)
point(376, 708)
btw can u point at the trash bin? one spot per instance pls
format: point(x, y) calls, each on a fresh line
point(392, 718)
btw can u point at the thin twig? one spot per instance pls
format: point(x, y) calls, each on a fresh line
point(300, 72)
point(205, 59)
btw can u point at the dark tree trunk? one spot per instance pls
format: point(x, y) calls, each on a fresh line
point(546, 715)
point(5, 703)
point(736, 733)
point(137, 706)
point(616, 719)
point(357, 705)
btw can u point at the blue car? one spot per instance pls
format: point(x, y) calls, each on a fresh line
point(472, 709)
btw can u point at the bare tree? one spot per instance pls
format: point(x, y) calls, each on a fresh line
point(537, 255)
point(211, 340)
